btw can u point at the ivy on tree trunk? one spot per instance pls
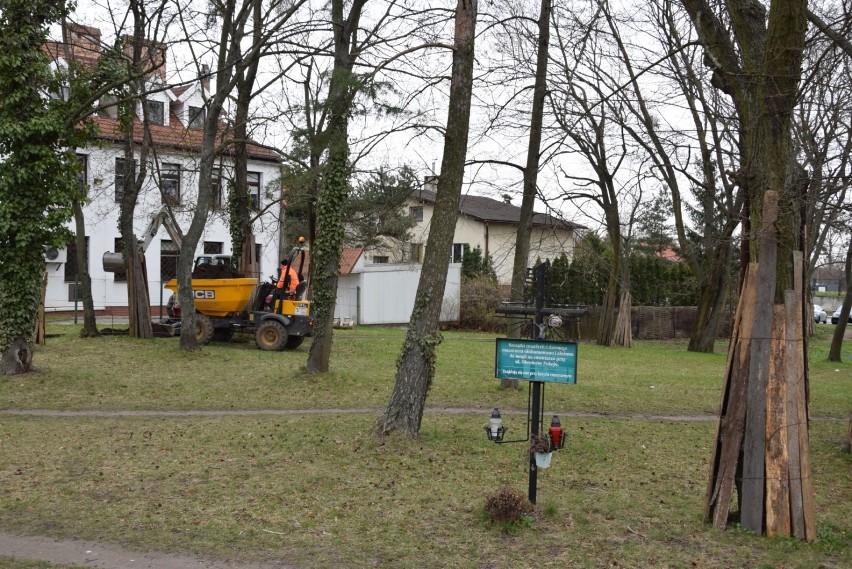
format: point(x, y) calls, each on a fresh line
point(37, 172)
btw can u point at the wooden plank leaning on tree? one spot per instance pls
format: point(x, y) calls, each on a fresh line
point(732, 412)
point(776, 458)
point(793, 373)
point(796, 347)
point(754, 472)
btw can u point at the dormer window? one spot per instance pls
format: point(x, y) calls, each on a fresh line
point(107, 107)
point(156, 112)
point(197, 115)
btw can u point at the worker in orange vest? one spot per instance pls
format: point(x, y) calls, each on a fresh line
point(286, 269)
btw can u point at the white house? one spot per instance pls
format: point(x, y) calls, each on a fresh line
point(486, 223)
point(175, 114)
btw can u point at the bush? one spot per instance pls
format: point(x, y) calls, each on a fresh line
point(507, 505)
point(479, 298)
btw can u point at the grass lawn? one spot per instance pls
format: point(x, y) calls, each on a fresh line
point(321, 491)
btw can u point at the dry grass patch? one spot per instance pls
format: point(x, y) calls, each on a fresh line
point(324, 492)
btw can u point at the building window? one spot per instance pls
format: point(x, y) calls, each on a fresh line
point(253, 185)
point(119, 276)
point(169, 253)
point(197, 115)
point(459, 249)
point(381, 259)
point(83, 174)
point(170, 183)
point(121, 174)
point(213, 247)
point(216, 189)
point(416, 213)
point(71, 271)
point(75, 292)
point(156, 112)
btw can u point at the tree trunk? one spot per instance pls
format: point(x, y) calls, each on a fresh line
point(840, 330)
point(239, 210)
point(90, 326)
point(522, 239)
point(230, 61)
point(17, 358)
point(416, 367)
point(328, 241)
point(39, 336)
point(139, 307)
point(711, 303)
point(606, 321)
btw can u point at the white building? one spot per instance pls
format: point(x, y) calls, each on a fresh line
point(489, 224)
point(362, 291)
point(176, 115)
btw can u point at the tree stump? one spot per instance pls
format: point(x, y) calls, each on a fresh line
point(18, 358)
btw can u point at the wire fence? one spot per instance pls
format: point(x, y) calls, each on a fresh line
point(108, 295)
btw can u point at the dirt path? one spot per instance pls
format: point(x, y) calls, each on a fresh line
point(351, 411)
point(107, 556)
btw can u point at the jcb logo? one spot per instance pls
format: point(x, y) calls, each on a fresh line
point(204, 294)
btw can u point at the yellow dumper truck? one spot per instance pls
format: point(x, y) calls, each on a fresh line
point(224, 306)
point(279, 320)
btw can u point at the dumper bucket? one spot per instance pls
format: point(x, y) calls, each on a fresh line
point(219, 297)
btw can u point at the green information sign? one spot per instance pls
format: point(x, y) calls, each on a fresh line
point(536, 360)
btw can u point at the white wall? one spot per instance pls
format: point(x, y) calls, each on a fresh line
point(384, 294)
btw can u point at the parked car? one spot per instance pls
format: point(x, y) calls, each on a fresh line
point(835, 318)
point(820, 317)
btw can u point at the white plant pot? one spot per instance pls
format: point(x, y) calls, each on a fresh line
point(542, 459)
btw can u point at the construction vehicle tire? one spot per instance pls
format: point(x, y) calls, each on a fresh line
point(294, 342)
point(271, 336)
point(223, 335)
point(203, 329)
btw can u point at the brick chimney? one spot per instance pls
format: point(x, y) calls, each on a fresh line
point(84, 43)
point(204, 77)
point(153, 56)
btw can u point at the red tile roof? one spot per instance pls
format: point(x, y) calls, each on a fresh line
point(349, 258)
point(175, 136)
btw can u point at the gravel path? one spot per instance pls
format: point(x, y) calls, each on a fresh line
point(107, 556)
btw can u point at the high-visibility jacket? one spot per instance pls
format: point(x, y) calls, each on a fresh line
point(294, 279)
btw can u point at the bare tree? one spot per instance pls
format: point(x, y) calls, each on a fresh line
point(717, 200)
point(378, 52)
point(763, 418)
point(236, 50)
point(416, 367)
point(522, 239)
point(591, 121)
point(145, 56)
